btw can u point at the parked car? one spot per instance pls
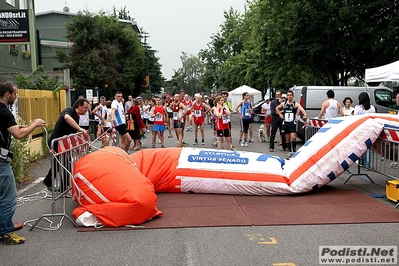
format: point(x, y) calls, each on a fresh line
point(257, 111)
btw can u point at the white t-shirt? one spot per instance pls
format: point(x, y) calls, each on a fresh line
point(266, 107)
point(84, 120)
point(147, 111)
point(108, 116)
point(359, 110)
point(348, 111)
point(332, 110)
point(119, 116)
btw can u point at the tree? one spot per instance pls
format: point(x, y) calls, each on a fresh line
point(190, 73)
point(282, 43)
point(106, 53)
point(156, 80)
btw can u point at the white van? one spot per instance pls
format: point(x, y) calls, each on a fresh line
point(312, 97)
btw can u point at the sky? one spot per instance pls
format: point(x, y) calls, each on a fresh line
point(173, 26)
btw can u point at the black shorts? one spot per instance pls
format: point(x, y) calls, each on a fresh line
point(289, 128)
point(223, 132)
point(135, 134)
point(170, 114)
point(178, 124)
point(244, 123)
point(121, 129)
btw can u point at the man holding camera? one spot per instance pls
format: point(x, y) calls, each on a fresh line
point(8, 190)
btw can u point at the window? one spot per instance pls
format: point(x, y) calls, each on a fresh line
point(13, 49)
point(23, 4)
point(384, 98)
point(26, 53)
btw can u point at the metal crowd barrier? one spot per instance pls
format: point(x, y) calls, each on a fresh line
point(312, 126)
point(384, 153)
point(65, 151)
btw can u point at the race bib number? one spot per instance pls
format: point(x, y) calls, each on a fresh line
point(197, 113)
point(169, 110)
point(247, 112)
point(226, 119)
point(175, 116)
point(158, 118)
point(288, 117)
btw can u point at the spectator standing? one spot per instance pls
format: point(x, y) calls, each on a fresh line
point(330, 108)
point(222, 114)
point(268, 117)
point(244, 110)
point(179, 111)
point(160, 116)
point(188, 117)
point(347, 109)
point(8, 190)
point(98, 112)
point(128, 103)
point(276, 123)
point(67, 123)
point(197, 109)
point(229, 106)
point(119, 120)
point(287, 111)
point(364, 107)
point(168, 103)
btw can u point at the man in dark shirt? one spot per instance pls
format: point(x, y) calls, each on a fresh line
point(276, 122)
point(67, 123)
point(8, 190)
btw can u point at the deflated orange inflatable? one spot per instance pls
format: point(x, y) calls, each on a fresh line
point(107, 184)
point(118, 189)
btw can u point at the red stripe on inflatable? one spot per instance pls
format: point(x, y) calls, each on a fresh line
point(324, 150)
point(244, 176)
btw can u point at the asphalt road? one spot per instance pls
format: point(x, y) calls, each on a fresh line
point(248, 245)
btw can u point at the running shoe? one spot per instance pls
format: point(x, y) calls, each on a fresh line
point(195, 143)
point(242, 143)
point(245, 144)
point(203, 142)
point(162, 146)
point(289, 155)
point(153, 146)
point(12, 239)
point(250, 141)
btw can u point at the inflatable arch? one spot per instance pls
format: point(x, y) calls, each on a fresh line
point(119, 189)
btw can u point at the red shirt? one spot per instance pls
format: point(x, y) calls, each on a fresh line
point(159, 112)
point(222, 123)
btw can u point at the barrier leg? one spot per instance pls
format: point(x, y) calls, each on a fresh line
point(53, 215)
point(359, 174)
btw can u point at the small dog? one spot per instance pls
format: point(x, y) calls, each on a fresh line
point(262, 133)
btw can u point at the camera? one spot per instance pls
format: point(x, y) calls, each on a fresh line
point(6, 155)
